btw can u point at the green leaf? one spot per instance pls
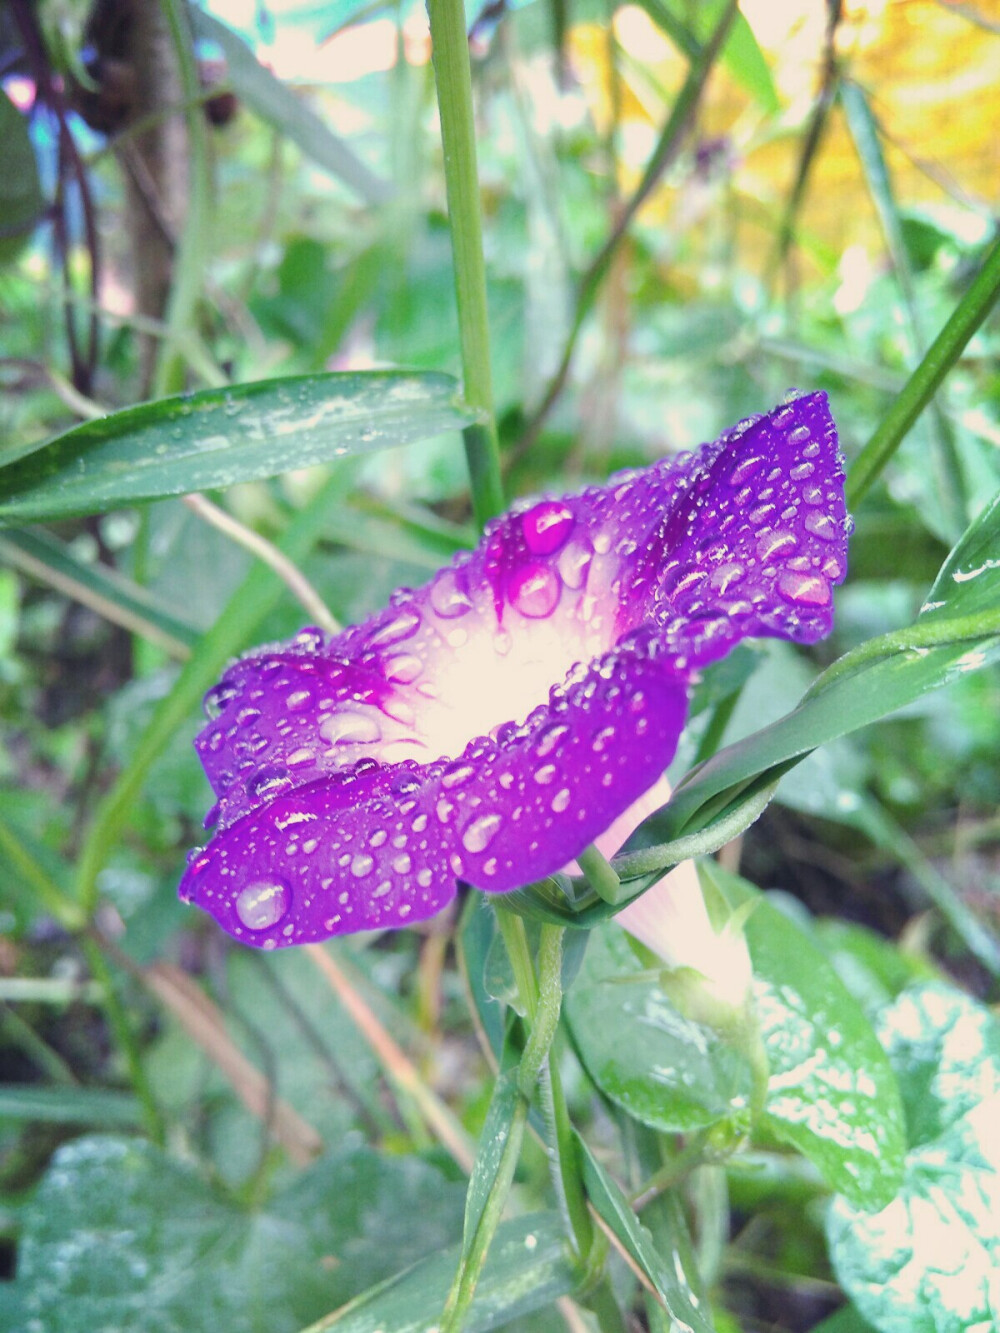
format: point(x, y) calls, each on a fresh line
point(275, 102)
point(666, 1070)
point(968, 581)
point(212, 439)
point(528, 1268)
point(666, 1273)
point(21, 199)
point(945, 1049)
point(930, 1261)
point(119, 1236)
point(831, 1091)
point(68, 1105)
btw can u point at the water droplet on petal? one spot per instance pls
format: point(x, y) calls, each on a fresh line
point(400, 627)
point(362, 865)
point(802, 471)
point(350, 727)
point(770, 543)
point(217, 698)
point(269, 782)
point(745, 468)
point(821, 525)
point(574, 562)
point(799, 435)
point(550, 738)
point(457, 637)
point(502, 643)
point(534, 590)
point(399, 710)
point(457, 775)
point(726, 574)
point(378, 838)
point(805, 589)
point(560, 801)
point(424, 878)
point(402, 864)
point(262, 904)
point(298, 699)
point(448, 594)
point(602, 739)
point(547, 526)
point(480, 833)
point(404, 667)
point(545, 774)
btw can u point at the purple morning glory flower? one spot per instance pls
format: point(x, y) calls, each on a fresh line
point(491, 724)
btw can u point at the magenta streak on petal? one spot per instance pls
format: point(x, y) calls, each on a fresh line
point(489, 725)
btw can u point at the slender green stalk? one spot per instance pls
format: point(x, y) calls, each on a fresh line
point(189, 261)
point(947, 347)
point(464, 1287)
point(120, 1023)
point(533, 1060)
point(458, 135)
point(865, 131)
point(515, 940)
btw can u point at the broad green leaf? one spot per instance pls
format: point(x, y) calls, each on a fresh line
point(527, 1269)
point(666, 1070)
point(831, 1092)
point(212, 439)
point(930, 1261)
point(666, 1272)
point(945, 1049)
point(275, 102)
point(121, 1236)
point(21, 200)
point(68, 1105)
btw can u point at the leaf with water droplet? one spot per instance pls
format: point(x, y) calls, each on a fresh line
point(294, 422)
point(930, 1261)
point(119, 1235)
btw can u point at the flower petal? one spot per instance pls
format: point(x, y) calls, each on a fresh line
point(490, 724)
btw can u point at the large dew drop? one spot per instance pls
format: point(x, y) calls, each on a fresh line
point(547, 526)
point(263, 904)
point(481, 832)
point(534, 590)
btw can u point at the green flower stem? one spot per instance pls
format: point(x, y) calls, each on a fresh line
point(189, 263)
point(458, 135)
point(600, 876)
point(947, 347)
point(259, 592)
point(547, 997)
point(464, 1287)
point(515, 940)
